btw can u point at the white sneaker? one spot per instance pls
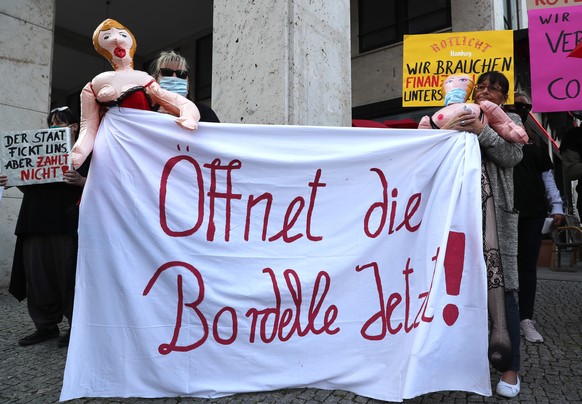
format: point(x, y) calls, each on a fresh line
point(529, 331)
point(508, 390)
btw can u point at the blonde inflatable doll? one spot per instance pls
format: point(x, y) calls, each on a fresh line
point(457, 89)
point(123, 87)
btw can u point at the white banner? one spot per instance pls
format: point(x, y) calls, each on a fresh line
point(242, 258)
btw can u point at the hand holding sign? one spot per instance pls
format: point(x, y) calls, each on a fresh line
point(3, 182)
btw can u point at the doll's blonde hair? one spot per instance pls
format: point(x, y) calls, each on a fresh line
point(104, 26)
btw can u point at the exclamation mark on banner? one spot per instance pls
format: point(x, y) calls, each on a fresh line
point(454, 259)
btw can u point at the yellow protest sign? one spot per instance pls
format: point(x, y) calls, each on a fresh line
point(430, 58)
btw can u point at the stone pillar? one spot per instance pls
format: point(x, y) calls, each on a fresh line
point(26, 44)
point(477, 15)
point(282, 62)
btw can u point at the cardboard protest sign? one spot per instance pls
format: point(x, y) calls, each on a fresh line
point(430, 58)
point(246, 258)
point(555, 38)
point(35, 156)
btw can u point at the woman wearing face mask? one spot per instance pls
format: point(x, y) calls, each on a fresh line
point(500, 221)
point(43, 269)
point(171, 71)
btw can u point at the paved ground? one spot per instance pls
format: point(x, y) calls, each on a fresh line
point(551, 372)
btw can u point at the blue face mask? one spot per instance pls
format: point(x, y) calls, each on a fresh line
point(175, 85)
point(455, 95)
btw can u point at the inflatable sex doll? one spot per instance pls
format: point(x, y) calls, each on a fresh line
point(123, 87)
point(457, 89)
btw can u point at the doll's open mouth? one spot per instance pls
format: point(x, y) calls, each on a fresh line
point(119, 52)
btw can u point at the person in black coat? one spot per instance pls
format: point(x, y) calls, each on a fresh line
point(43, 269)
point(571, 149)
point(536, 198)
point(171, 71)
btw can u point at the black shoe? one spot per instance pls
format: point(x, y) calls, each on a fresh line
point(39, 336)
point(64, 340)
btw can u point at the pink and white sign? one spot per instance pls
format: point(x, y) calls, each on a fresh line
point(555, 60)
point(243, 258)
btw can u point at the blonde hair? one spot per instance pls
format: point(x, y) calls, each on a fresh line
point(167, 57)
point(104, 26)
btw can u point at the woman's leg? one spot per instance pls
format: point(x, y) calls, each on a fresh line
point(499, 352)
point(509, 385)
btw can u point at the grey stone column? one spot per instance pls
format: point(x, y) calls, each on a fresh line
point(477, 15)
point(26, 44)
point(282, 62)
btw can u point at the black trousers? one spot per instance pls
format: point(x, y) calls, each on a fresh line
point(529, 240)
point(49, 267)
point(512, 314)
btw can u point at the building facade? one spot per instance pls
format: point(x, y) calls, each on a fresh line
point(294, 62)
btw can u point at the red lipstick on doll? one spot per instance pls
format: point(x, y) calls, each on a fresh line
point(119, 52)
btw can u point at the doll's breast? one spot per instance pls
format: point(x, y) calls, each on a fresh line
point(449, 112)
point(123, 89)
point(135, 97)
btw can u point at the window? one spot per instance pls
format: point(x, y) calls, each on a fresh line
point(510, 14)
point(203, 81)
point(384, 22)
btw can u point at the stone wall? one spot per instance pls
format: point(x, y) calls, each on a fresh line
point(26, 43)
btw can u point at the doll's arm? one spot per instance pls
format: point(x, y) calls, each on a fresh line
point(186, 111)
point(502, 124)
point(90, 120)
point(424, 123)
